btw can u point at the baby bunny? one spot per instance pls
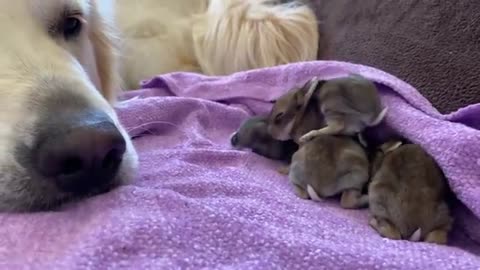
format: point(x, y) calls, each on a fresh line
point(329, 165)
point(293, 115)
point(253, 134)
point(348, 104)
point(407, 195)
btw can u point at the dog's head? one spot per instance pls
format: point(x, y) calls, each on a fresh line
point(60, 138)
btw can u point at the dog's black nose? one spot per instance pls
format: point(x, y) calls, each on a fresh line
point(234, 139)
point(83, 157)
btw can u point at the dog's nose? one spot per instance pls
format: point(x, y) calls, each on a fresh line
point(83, 158)
point(234, 139)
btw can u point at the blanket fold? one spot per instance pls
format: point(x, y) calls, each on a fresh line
point(199, 204)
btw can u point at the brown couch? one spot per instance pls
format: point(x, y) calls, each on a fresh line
point(434, 45)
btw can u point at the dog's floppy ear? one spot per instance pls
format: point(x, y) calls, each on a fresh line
point(103, 38)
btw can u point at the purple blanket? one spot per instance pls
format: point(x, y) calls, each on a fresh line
point(198, 204)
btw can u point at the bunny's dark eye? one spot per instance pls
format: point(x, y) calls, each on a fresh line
point(278, 118)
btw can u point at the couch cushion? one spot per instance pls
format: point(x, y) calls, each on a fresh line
point(434, 45)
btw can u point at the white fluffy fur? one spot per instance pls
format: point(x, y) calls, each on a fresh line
point(213, 37)
point(238, 35)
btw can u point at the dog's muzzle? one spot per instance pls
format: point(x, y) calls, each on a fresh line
point(83, 152)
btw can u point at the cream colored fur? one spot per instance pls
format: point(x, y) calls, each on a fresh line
point(36, 66)
point(238, 35)
point(213, 37)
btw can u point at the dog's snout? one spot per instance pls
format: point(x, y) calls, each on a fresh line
point(83, 158)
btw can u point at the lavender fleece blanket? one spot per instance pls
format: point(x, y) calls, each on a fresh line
point(198, 204)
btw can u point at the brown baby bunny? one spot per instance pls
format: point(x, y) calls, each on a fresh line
point(292, 115)
point(407, 195)
point(348, 104)
point(329, 165)
point(253, 135)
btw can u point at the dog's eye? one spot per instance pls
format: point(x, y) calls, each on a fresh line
point(278, 118)
point(72, 26)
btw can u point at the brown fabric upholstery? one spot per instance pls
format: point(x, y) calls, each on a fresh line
point(434, 45)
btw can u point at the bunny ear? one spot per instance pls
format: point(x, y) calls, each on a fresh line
point(314, 83)
point(309, 89)
point(390, 146)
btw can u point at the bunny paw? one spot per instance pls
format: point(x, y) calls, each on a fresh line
point(285, 170)
point(385, 229)
point(439, 237)
point(308, 137)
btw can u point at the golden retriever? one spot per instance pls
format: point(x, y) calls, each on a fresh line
point(60, 138)
point(60, 67)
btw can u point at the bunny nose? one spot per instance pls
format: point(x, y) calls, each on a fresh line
point(234, 139)
point(85, 157)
